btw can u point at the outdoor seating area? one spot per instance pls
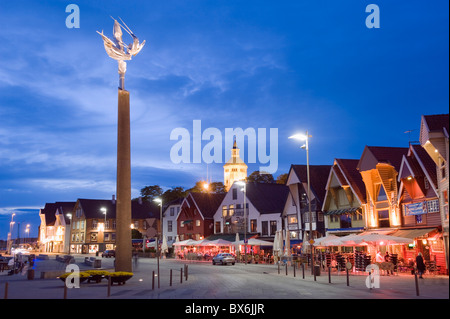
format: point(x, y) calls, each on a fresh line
point(205, 250)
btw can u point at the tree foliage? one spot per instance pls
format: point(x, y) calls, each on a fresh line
point(260, 177)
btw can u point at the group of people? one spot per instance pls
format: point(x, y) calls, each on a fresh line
point(19, 264)
point(420, 263)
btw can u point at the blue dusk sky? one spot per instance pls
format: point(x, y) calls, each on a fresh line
point(286, 65)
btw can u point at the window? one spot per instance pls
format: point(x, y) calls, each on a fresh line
point(234, 193)
point(94, 236)
point(253, 226)
point(169, 226)
point(136, 224)
point(231, 210)
point(224, 211)
point(265, 228)
point(217, 228)
point(94, 223)
point(320, 216)
point(383, 218)
point(172, 211)
point(381, 193)
point(433, 206)
point(445, 199)
point(306, 217)
point(273, 227)
point(292, 219)
point(427, 184)
point(197, 222)
point(346, 221)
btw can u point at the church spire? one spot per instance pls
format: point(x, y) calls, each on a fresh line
point(235, 169)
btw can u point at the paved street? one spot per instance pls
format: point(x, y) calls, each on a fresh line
point(205, 281)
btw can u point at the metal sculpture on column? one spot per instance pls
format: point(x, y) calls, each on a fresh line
point(121, 52)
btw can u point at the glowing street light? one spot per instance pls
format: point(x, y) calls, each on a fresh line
point(305, 137)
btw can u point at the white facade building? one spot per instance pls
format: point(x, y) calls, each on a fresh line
point(262, 217)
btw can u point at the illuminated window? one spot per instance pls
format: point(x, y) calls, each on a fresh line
point(433, 206)
point(292, 219)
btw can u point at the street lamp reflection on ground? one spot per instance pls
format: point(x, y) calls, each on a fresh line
point(305, 137)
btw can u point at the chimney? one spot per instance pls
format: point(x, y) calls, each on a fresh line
point(113, 200)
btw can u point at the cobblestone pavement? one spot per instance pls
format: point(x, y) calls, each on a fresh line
point(205, 281)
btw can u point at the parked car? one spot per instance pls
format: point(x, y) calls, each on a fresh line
point(109, 253)
point(223, 259)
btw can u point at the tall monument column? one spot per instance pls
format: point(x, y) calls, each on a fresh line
point(123, 202)
point(118, 51)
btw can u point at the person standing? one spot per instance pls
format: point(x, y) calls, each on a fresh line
point(420, 265)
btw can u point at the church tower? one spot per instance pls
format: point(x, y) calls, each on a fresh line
point(235, 169)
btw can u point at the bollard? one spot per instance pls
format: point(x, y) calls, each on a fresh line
point(314, 271)
point(303, 270)
point(170, 284)
point(181, 275)
point(109, 286)
point(329, 275)
point(186, 273)
point(417, 284)
point(348, 282)
point(153, 280)
point(278, 267)
point(6, 290)
point(286, 269)
point(294, 270)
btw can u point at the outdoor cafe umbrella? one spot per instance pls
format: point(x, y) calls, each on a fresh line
point(380, 240)
point(164, 246)
point(275, 242)
point(219, 242)
point(329, 240)
point(201, 242)
point(187, 242)
point(287, 244)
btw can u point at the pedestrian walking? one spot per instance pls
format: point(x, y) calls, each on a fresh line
point(420, 265)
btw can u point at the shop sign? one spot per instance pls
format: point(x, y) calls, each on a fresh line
point(415, 209)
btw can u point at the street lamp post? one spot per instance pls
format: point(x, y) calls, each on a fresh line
point(305, 137)
point(244, 184)
point(11, 225)
point(160, 202)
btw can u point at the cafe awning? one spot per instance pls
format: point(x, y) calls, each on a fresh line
point(344, 211)
point(413, 233)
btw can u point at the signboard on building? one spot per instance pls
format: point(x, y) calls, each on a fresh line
point(415, 209)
